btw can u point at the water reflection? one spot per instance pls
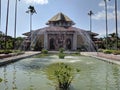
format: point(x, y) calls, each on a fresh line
point(29, 74)
point(5, 78)
point(116, 76)
point(106, 77)
point(31, 87)
point(14, 86)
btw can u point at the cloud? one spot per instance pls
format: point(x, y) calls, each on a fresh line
point(36, 1)
point(110, 15)
point(102, 4)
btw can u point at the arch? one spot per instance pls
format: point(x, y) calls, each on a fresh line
point(52, 42)
point(68, 44)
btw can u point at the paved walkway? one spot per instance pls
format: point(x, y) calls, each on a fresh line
point(105, 57)
point(18, 57)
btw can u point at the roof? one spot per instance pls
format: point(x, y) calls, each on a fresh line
point(58, 29)
point(60, 17)
point(93, 33)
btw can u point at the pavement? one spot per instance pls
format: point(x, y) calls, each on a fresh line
point(8, 60)
point(111, 58)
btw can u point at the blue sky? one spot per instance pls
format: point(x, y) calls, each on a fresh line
point(77, 10)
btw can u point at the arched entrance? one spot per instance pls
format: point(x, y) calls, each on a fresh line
point(52, 42)
point(68, 44)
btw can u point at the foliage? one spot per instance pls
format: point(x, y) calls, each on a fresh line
point(0, 79)
point(107, 51)
point(61, 55)
point(115, 52)
point(10, 42)
point(44, 51)
point(111, 40)
point(38, 46)
point(61, 74)
point(5, 51)
point(100, 50)
point(61, 50)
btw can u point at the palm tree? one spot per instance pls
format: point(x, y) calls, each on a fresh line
point(31, 10)
point(15, 21)
point(6, 23)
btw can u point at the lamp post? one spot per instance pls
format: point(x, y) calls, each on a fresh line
point(106, 23)
point(15, 22)
point(116, 25)
point(0, 14)
point(6, 24)
point(90, 14)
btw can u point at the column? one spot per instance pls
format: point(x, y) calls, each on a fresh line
point(45, 40)
point(74, 41)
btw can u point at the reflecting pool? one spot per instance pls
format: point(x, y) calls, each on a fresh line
point(29, 74)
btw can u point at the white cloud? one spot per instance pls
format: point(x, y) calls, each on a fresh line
point(36, 1)
point(102, 4)
point(110, 15)
point(101, 14)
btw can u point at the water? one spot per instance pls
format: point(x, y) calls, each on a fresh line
point(28, 74)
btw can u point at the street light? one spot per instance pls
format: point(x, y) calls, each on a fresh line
point(15, 22)
point(106, 23)
point(6, 24)
point(90, 14)
point(0, 14)
point(116, 25)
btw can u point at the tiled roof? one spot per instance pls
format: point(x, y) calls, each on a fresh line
point(60, 16)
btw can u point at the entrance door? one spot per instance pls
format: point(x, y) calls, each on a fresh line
point(68, 44)
point(52, 42)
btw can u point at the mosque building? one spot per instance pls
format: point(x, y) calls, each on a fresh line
point(60, 33)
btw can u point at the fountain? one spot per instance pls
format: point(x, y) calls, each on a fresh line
point(30, 73)
point(60, 34)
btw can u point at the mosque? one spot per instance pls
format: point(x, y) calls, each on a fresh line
point(60, 33)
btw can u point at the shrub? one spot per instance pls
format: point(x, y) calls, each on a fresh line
point(44, 51)
point(0, 79)
point(115, 52)
point(61, 50)
point(61, 55)
point(107, 51)
point(7, 51)
point(61, 74)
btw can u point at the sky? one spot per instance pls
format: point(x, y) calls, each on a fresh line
point(77, 10)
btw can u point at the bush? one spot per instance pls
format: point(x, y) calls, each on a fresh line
point(61, 50)
point(44, 51)
point(107, 51)
point(0, 79)
point(7, 51)
point(61, 74)
point(115, 52)
point(61, 55)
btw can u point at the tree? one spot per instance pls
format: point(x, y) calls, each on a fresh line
point(31, 10)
